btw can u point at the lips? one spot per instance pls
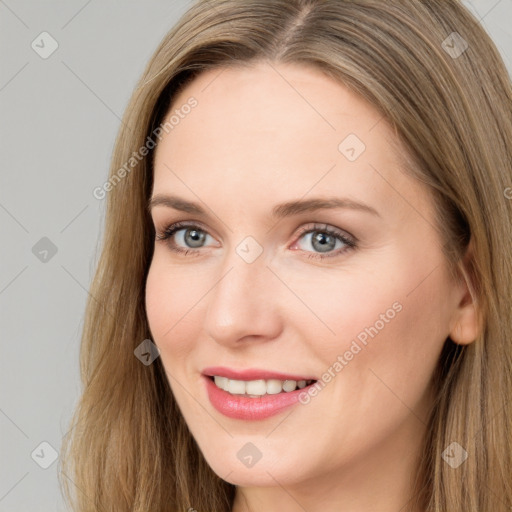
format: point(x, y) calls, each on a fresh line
point(252, 374)
point(242, 406)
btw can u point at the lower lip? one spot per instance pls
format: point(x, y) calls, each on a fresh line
point(244, 408)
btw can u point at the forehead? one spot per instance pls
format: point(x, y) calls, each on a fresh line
point(261, 130)
point(283, 105)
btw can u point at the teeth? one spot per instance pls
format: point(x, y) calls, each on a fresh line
point(221, 382)
point(256, 388)
point(236, 387)
point(274, 387)
point(289, 385)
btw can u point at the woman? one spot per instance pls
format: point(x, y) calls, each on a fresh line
point(303, 300)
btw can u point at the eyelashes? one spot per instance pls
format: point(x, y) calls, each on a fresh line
point(172, 229)
point(347, 242)
point(324, 234)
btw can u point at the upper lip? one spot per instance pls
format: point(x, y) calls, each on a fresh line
point(251, 374)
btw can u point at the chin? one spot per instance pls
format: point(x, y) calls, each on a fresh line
point(245, 469)
point(262, 476)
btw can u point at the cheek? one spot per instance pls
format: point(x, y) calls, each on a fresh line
point(170, 300)
point(344, 305)
point(382, 321)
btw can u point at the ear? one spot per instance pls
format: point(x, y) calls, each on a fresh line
point(466, 323)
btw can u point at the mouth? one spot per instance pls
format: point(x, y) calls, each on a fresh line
point(253, 394)
point(259, 387)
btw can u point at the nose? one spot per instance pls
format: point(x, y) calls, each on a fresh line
point(244, 303)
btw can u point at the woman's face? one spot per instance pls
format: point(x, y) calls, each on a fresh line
point(304, 253)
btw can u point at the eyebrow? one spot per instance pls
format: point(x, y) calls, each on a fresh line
point(279, 211)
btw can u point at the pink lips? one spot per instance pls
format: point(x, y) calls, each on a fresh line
point(251, 374)
point(245, 408)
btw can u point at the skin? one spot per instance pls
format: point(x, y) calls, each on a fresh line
point(263, 135)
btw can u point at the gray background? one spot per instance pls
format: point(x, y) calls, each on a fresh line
point(59, 118)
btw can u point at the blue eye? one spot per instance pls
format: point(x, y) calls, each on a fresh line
point(192, 235)
point(326, 241)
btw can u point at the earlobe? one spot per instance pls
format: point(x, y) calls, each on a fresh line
point(466, 326)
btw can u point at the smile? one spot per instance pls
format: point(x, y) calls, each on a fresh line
point(253, 394)
point(260, 387)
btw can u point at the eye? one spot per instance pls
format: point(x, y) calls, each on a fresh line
point(189, 237)
point(327, 241)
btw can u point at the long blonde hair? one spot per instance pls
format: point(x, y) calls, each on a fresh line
point(448, 97)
